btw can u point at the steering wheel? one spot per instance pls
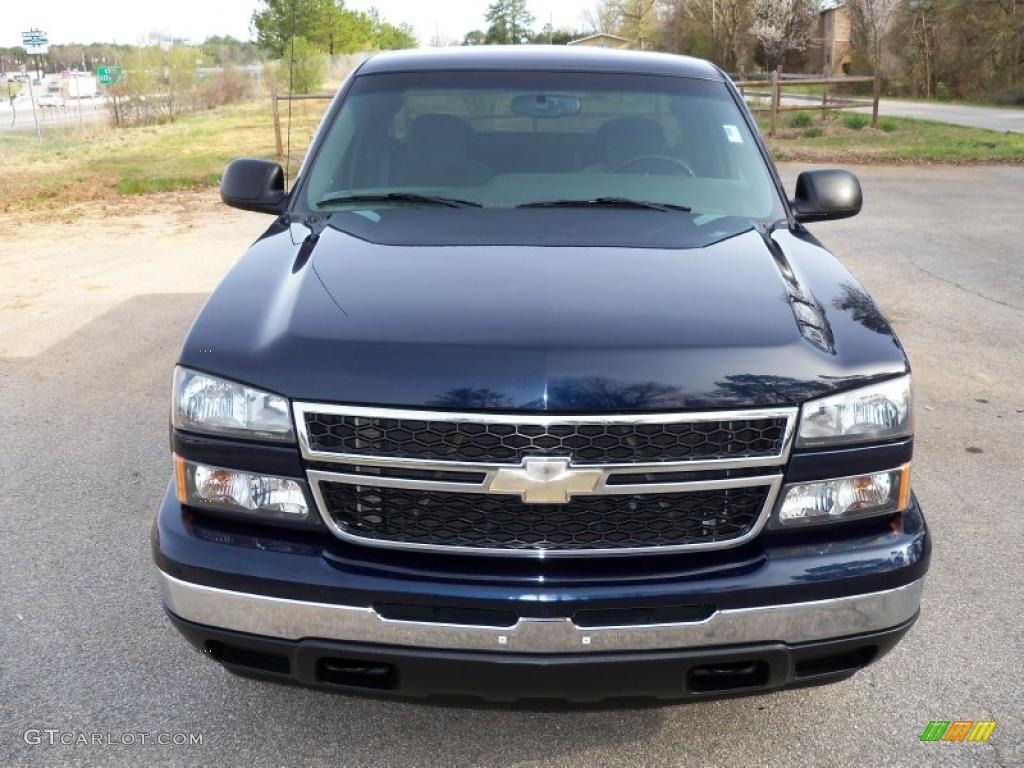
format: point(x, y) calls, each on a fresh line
point(678, 166)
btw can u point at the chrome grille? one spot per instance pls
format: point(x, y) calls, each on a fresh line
point(541, 484)
point(484, 521)
point(447, 440)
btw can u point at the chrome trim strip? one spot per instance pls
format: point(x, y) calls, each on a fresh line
point(298, 619)
point(774, 483)
point(318, 476)
point(300, 409)
point(391, 462)
point(542, 419)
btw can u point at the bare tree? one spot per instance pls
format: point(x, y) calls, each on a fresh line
point(725, 23)
point(600, 18)
point(781, 26)
point(635, 20)
point(872, 20)
point(921, 36)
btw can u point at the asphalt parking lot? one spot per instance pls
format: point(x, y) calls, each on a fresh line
point(93, 307)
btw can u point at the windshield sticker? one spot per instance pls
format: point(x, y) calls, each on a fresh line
point(732, 133)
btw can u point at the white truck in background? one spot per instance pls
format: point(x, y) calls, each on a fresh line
point(71, 84)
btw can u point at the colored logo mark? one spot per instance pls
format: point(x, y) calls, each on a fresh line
point(958, 730)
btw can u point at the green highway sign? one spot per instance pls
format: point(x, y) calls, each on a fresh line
point(109, 75)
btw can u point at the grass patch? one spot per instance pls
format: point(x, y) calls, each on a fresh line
point(896, 141)
point(141, 186)
point(855, 121)
point(108, 163)
point(800, 120)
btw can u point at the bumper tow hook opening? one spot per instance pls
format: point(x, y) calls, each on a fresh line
point(357, 674)
point(728, 677)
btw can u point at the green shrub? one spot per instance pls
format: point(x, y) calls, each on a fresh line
point(888, 125)
point(855, 121)
point(307, 71)
point(812, 133)
point(800, 120)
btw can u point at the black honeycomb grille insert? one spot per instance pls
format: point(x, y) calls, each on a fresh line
point(505, 522)
point(586, 443)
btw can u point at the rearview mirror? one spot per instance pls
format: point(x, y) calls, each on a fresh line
point(545, 105)
point(253, 185)
point(827, 194)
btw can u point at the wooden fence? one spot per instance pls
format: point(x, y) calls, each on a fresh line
point(276, 112)
point(777, 82)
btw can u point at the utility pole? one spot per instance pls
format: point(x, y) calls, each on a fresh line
point(78, 98)
point(35, 117)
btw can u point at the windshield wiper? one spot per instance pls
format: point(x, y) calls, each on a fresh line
point(400, 197)
point(607, 202)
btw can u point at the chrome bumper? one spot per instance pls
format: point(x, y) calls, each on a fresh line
point(296, 619)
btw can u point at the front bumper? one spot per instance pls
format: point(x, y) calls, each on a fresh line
point(687, 673)
point(305, 607)
point(790, 623)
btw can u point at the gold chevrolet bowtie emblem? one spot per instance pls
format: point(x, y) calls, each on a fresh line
point(545, 480)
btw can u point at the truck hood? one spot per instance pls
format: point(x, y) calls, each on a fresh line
point(747, 321)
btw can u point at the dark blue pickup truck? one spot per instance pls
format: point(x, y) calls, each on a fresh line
point(537, 387)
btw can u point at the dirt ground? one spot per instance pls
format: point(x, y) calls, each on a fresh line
point(62, 269)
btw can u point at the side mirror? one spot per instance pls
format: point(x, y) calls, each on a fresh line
point(827, 194)
point(253, 185)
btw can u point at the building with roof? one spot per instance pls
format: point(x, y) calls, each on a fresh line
point(603, 40)
point(832, 51)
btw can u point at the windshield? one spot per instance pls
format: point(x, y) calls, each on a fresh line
point(511, 139)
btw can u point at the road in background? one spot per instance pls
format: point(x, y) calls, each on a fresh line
point(71, 113)
point(992, 118)
point(94, 307)
point(972, 116)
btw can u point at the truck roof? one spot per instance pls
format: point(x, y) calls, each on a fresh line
point(540, 57)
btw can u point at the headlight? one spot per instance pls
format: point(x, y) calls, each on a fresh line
point(204, 403)
point(232, 490)
point(845, 498)
point(876, 412)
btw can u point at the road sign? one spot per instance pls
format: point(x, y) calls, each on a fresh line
point(109, 75)
point(35, 42)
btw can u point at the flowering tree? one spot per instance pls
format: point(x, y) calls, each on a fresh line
point(781, 26)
